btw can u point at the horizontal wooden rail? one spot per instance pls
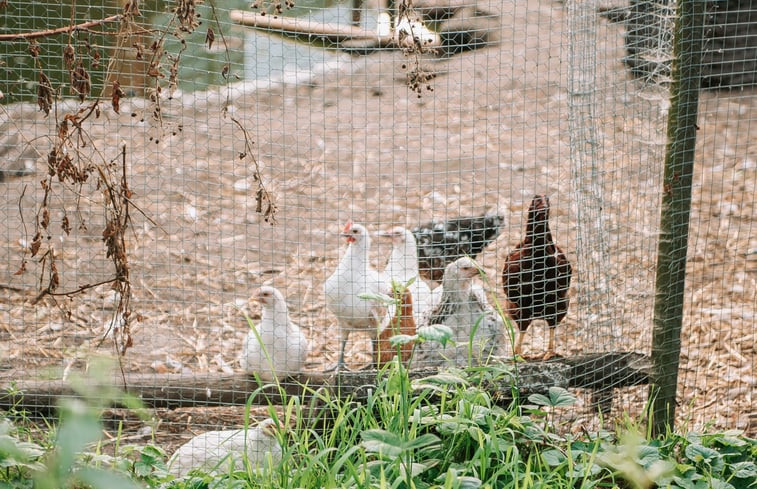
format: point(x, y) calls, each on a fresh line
point(601, 371)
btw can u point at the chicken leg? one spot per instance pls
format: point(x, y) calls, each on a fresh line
point(551, 345)
point(518, 349)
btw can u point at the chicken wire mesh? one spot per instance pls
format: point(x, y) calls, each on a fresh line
point(502, 101)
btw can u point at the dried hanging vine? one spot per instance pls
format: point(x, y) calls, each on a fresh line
point(415, 39)
point(70, 167)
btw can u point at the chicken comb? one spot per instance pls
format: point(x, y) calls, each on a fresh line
point(347, 226)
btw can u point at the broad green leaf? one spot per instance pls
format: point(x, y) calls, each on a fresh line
point(382, 298)
point(436, 332)
point(402, 339)
point(720, 484)
point(556, 397)
point(101, 479)
point(383, 442)
point(468, 482)
point(539, 399)
point(17, 450)
point(422, 441)
point(698, 453)
point(684, 482)
point(648, 455)
point(553, 457)
point(744, 470)
point(444, 378)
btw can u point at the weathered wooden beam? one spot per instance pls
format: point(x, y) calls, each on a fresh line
point(292, 26)
point(599, 371)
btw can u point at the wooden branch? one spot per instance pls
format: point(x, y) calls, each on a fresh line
point(601, 371)
point(60, 30)
point(304, 27)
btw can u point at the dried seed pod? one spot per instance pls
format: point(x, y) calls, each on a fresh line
point(116, 96)
point(69, 56)
point(80, 82)
point(44, 93)
point(34, 49)
point(210, 37)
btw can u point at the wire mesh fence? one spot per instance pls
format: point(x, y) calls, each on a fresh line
point(229, 158)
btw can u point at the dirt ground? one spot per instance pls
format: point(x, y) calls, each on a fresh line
point(352, 141)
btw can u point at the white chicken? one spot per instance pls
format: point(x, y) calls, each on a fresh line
point(282, 347)
point(217, 451)
point(478, 330)
point(403, 267)
point(354, 276)
point(412, 32)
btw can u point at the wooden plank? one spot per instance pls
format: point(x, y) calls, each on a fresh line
point(304, 27)
point(601, 371)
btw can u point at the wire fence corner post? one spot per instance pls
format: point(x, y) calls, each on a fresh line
point(674, 213)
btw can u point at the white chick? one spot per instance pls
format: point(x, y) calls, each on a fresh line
point(463, 308)
point(215, 451)
point(282, 348)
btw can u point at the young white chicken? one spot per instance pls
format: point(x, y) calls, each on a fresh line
point(477, 329)
point(412, 32)
point(353, 276)
point(403, 267)
point(282, 348)
point(215, 451)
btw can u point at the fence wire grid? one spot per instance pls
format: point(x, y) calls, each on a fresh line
point(248, 150)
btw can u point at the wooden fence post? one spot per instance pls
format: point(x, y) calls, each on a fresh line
point(674, 213)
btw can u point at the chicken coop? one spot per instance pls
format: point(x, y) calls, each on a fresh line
point(220, 195)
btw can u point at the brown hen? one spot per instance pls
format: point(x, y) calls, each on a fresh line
point(536, 277)
point(402, 323)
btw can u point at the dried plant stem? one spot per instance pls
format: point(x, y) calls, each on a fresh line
point(60, 30)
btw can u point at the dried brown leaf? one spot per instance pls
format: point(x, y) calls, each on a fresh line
point(66, 225)
point(44, 93)
point(36, 244)
point(131, 7)
point(80, 82)
point(45, 222)
point(140, 51)
point(54, 277)
point(115, 99)
point(69, 56)
point(210, 36)
point(34, 49)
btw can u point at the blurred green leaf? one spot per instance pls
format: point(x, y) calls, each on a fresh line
point(382, 441)
point(553, 457)
point(436, 332)
point(423, 441)
point(102, 479)
point(381, 298)
point(701, 454)
point(402, 339)
point(744, 470)
point(557, 397)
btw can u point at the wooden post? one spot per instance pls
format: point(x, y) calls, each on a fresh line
point(674, 213)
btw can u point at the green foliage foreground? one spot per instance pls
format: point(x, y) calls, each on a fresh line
point(443, 431)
